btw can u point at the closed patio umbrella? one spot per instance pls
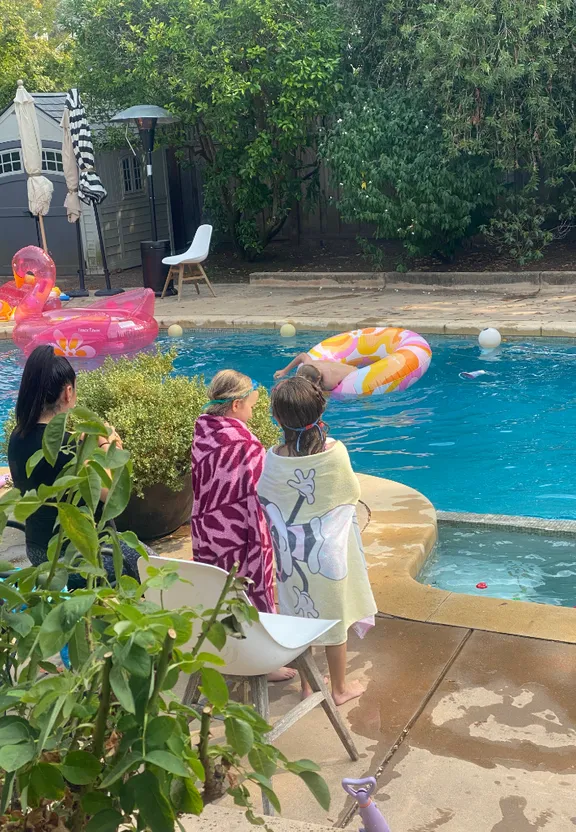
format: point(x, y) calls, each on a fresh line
point(90, 188)
point(72, 201)
point(39, 187)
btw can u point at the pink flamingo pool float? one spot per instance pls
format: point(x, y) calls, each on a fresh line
point(14, 291)
point(111, 326)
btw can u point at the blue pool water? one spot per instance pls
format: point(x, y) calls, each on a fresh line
point(513, 564)
point(504, 443)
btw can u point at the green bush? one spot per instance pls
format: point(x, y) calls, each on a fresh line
point(395, 169)
point(154, 411)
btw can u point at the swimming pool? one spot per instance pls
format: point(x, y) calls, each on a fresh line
point(503, 443)
point(510, 563)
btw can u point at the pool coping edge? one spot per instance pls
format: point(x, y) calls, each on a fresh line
point(435, 327)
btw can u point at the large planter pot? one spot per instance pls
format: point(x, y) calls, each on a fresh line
point(159, 513)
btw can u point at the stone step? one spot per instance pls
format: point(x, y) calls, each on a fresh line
point(375, 280)
point(218, 819)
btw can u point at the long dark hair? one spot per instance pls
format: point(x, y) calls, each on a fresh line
point(44, 378)
point(298, 405)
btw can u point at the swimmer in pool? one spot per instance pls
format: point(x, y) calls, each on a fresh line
point(326, 374)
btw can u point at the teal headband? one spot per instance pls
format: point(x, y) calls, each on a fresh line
point(231, 399)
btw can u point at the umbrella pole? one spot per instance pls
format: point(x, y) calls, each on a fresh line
point(82, 292)
point(43, 233)
point(108, 290)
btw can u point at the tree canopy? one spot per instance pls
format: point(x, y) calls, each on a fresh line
point(500, 75)
point(250, 77)
point(32, 47)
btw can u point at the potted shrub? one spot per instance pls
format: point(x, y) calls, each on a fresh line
point(104, 744)
point(154, 412)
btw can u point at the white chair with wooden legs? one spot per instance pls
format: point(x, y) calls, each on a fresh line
point(186, 267)
point(272, 642)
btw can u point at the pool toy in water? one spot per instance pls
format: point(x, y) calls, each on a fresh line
point(489, 339)
point(175, 331)
point(475, 374)
point(361, 791)
point(386, 358)
point(482, 585)
point(288, 330)
point(28, 265)
point(111, 326)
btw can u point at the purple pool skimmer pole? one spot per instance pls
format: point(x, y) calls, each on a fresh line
point(361, 791)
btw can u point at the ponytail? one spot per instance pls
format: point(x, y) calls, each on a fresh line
point(44, 378)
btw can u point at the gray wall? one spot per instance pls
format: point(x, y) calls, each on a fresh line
point(125, 218)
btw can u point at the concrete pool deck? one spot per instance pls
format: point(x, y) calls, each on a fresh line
point(517, 310)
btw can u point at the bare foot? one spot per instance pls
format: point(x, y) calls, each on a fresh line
point(352, 690)
point(282, 675)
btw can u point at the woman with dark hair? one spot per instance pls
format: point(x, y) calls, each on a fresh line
point(48, 387)
point(309, 493)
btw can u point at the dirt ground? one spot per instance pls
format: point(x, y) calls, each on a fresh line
point(343, 255)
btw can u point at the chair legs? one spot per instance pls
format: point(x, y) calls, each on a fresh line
point(309, 669)
point(258, 696)
point(168, 279)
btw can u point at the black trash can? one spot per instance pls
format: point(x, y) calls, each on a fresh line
point(154, 272)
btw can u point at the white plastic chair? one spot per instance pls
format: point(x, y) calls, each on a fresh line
point(190, 260)
point(272, 642)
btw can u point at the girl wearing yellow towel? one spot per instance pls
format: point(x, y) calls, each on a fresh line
point(309, 493)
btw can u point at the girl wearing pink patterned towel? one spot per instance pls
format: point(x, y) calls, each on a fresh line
point(228, 524)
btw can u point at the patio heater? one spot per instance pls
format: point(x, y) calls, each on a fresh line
point(146, 117)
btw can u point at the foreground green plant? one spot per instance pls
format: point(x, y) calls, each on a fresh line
point(106, 744)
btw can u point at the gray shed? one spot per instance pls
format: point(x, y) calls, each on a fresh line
point(124, 213)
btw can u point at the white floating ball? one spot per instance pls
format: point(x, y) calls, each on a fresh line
point(175, 331)
point(489, 338)
point(287, 330)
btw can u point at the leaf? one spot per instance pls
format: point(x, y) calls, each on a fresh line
point(318, 787)
point(90, 487)
point(61, 620)
point(21, 623)
point(154, 808)
point(15, 729)
point(267, 789)
point(217, 635)
point(94, 802)
point(80, 768)
point(126, 764)
point(137, 661)
point(118, 495)
point(54, 437)
point(80, 530)
point(298, 766)
point(214, 687)
point(185, 797)
point(239, 735)
point(33, 461)
point(159, 731)
point(78, 647)
point(132, 540)
point(167, 761)
point(261, 762)
point(13, 757)
point(11, 596)
point(10, 498)
point(115, 458)
point(108, 820)
point(47, 781)
point(121, 688)
point(10, 698)
point(27, 506)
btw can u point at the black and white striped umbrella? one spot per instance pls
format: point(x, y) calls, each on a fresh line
point(90, 188)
